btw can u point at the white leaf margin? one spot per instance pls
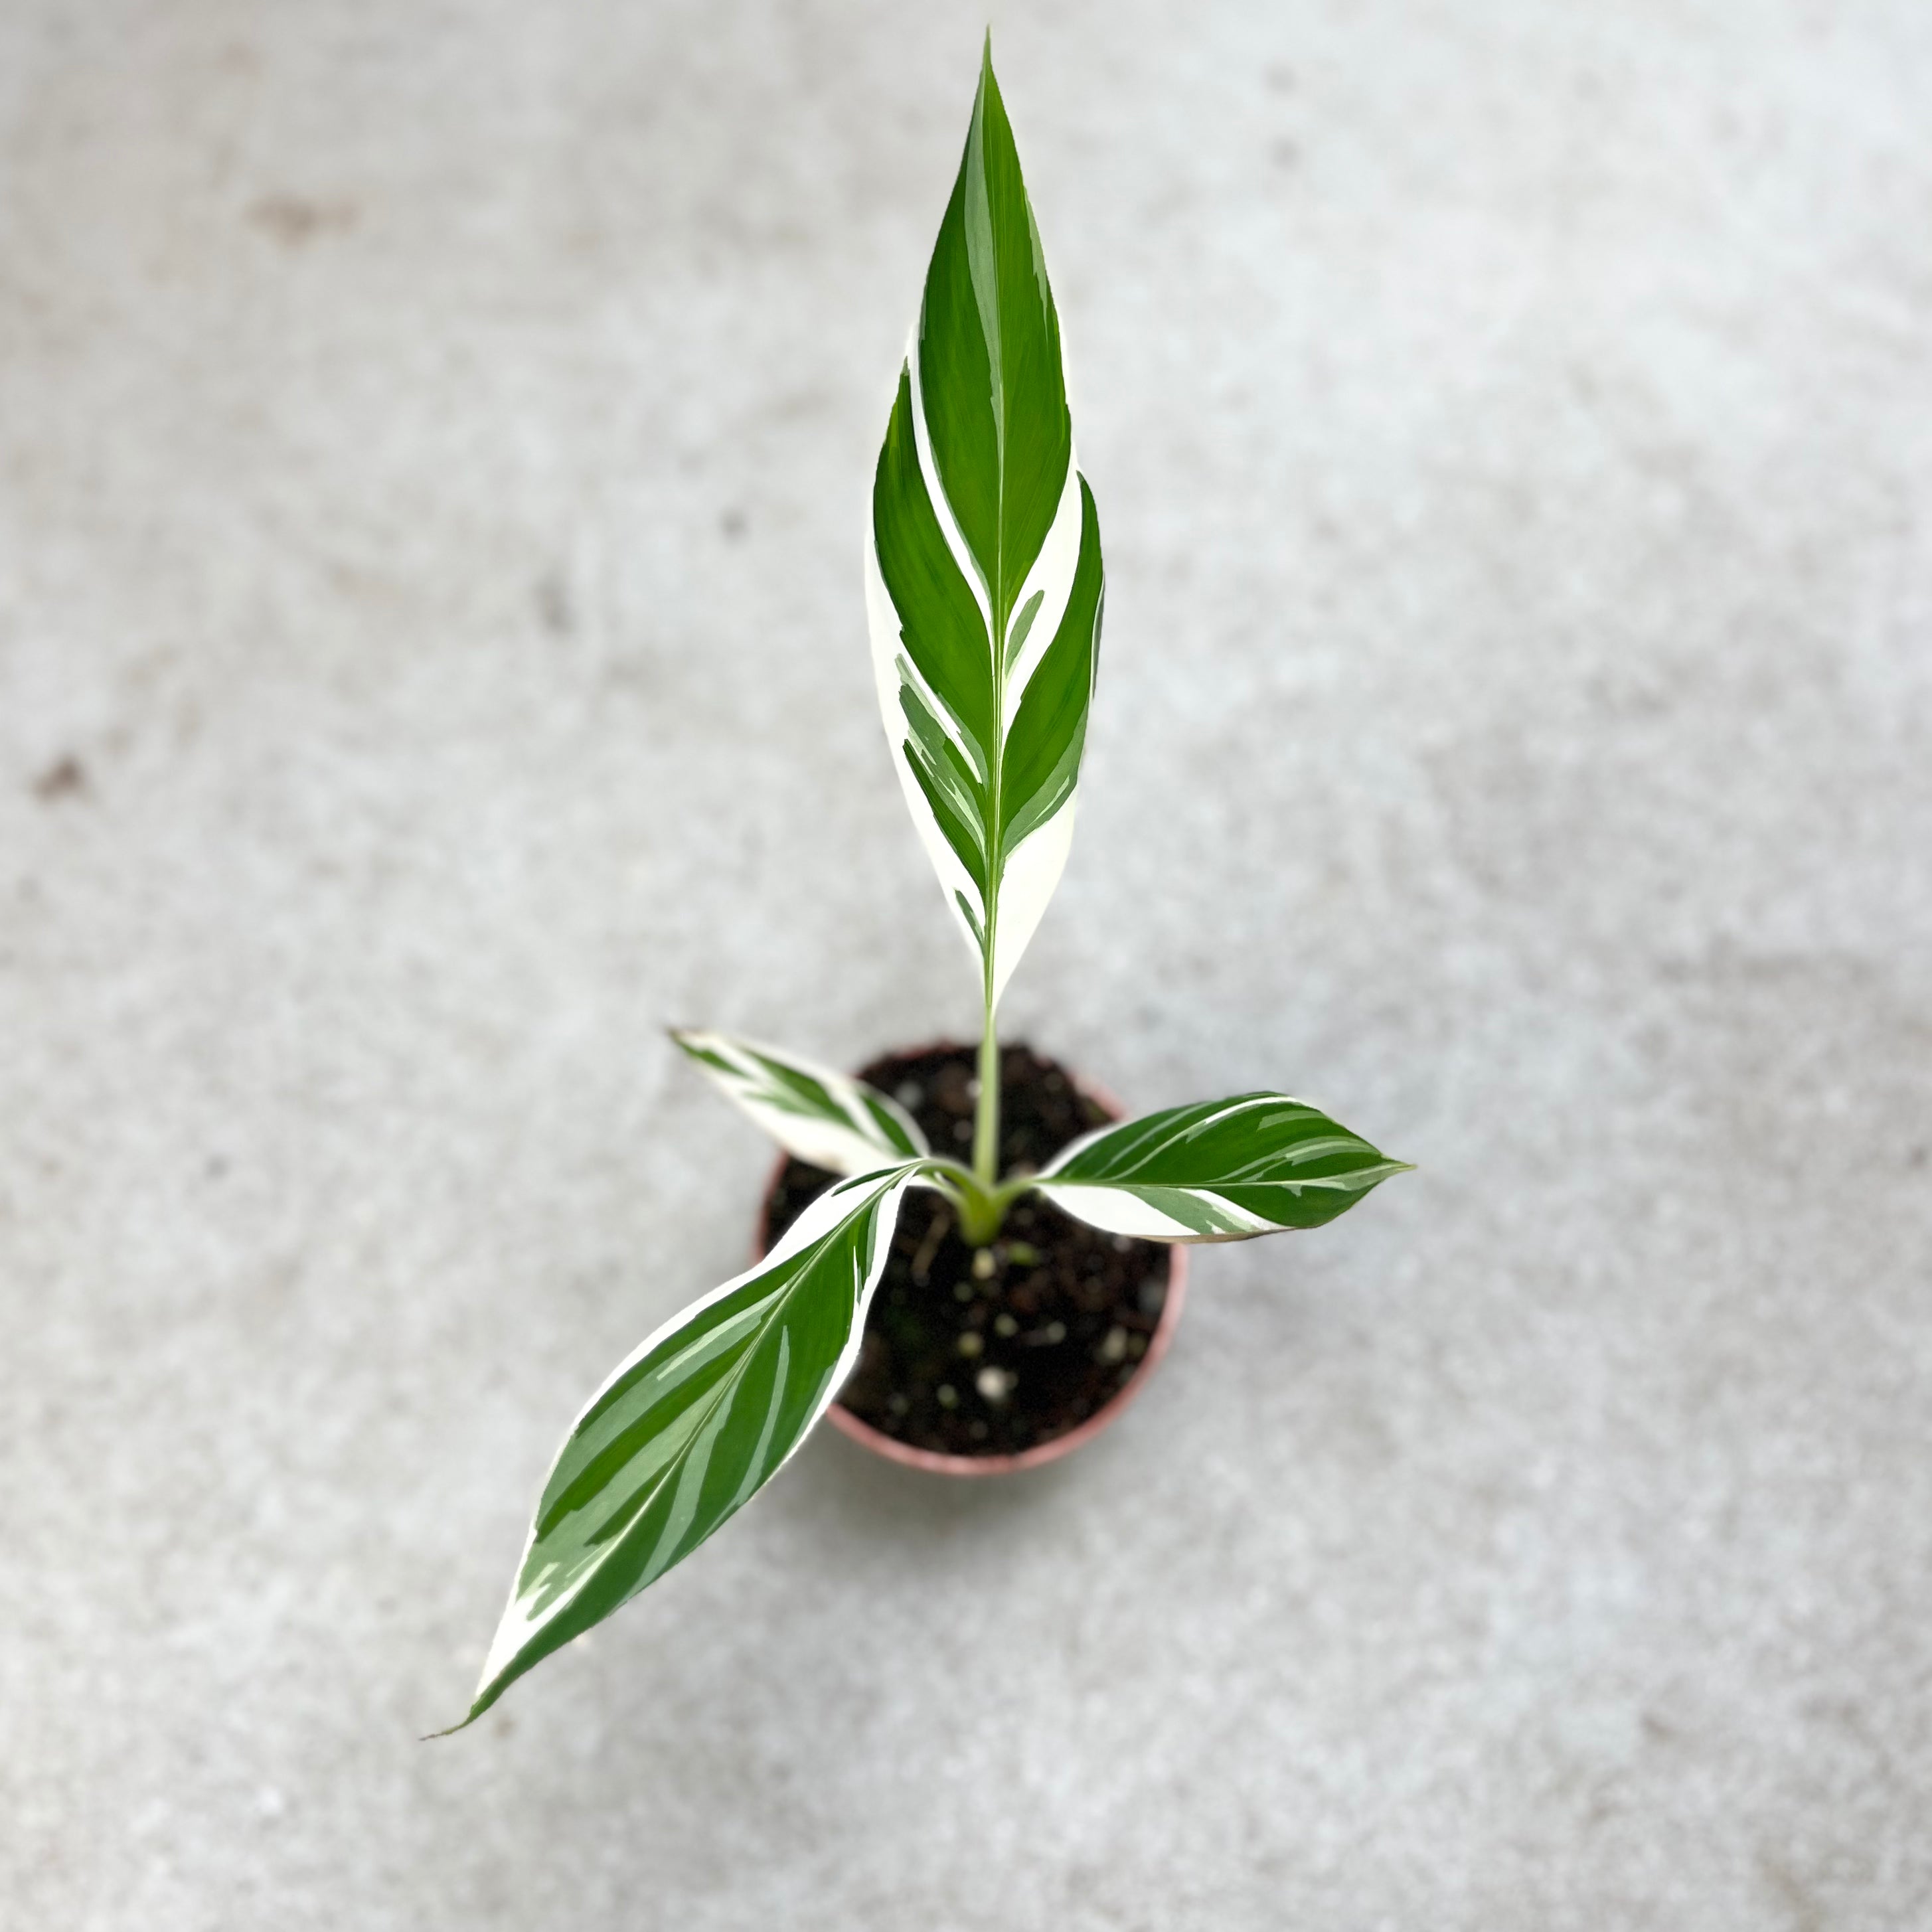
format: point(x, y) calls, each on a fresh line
point(1137, 1212)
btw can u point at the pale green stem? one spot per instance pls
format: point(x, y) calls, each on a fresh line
point(977, 1229)
point(980, 1221)
point(980, 1209)
point(986, 1115)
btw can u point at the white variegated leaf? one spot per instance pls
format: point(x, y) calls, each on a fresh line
point(693, 1423)
point(983, 575)
point(828, 1119)
point(1218, 1171)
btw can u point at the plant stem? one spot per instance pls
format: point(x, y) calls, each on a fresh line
point(986, 1115)
point(980, 1213)
point(981, 1210)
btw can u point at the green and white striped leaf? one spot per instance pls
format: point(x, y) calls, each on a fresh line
point(689, 1426)
point(1218, 1171)
point(983, 575)
point(828, 1119)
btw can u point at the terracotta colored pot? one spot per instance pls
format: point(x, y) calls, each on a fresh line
point(842, 1419)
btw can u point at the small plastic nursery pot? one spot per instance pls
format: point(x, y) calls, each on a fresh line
point(1072, 1106)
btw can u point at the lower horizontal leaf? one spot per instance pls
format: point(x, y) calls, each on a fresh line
point(828, 1119)
point(697, 1419)
point(1218, 1170)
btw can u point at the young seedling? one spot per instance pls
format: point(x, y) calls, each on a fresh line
point(983, 587)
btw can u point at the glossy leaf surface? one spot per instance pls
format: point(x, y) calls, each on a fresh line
point(693, 1423)
point(1218, 1171)
point(828, 1119)
point(984, 583)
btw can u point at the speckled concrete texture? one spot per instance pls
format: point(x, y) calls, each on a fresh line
point(433, 444)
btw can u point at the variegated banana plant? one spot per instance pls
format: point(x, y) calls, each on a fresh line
point(984, 589)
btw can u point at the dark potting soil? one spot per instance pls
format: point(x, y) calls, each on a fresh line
point(988, 1352)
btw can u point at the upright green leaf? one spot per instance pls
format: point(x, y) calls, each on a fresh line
point(827, 1118)
point(693, 1423)
point(1218, 1171)
point(983, 573)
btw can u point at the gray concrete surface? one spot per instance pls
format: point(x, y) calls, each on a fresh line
point(432, 446)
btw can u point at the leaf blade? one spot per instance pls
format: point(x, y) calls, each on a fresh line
point(983, 565)
point(692, 1423)
point(1216, 1170)
point(825, 1117)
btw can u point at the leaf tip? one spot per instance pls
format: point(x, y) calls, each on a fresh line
point(988, 81)
point(478, 1704)
point(690, 1041)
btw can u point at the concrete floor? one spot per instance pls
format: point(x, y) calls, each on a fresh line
point(433, 445)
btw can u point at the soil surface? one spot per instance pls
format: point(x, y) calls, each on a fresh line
point(991, 1351)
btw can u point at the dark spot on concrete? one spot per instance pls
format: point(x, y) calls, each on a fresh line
point(732, 523)
point(554, 610)
point(65, 778)
point(1280, 79)
point(295, 219)
point(1284, 153)
point(1917, 1156)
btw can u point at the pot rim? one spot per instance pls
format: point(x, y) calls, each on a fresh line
point(936, 1461)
